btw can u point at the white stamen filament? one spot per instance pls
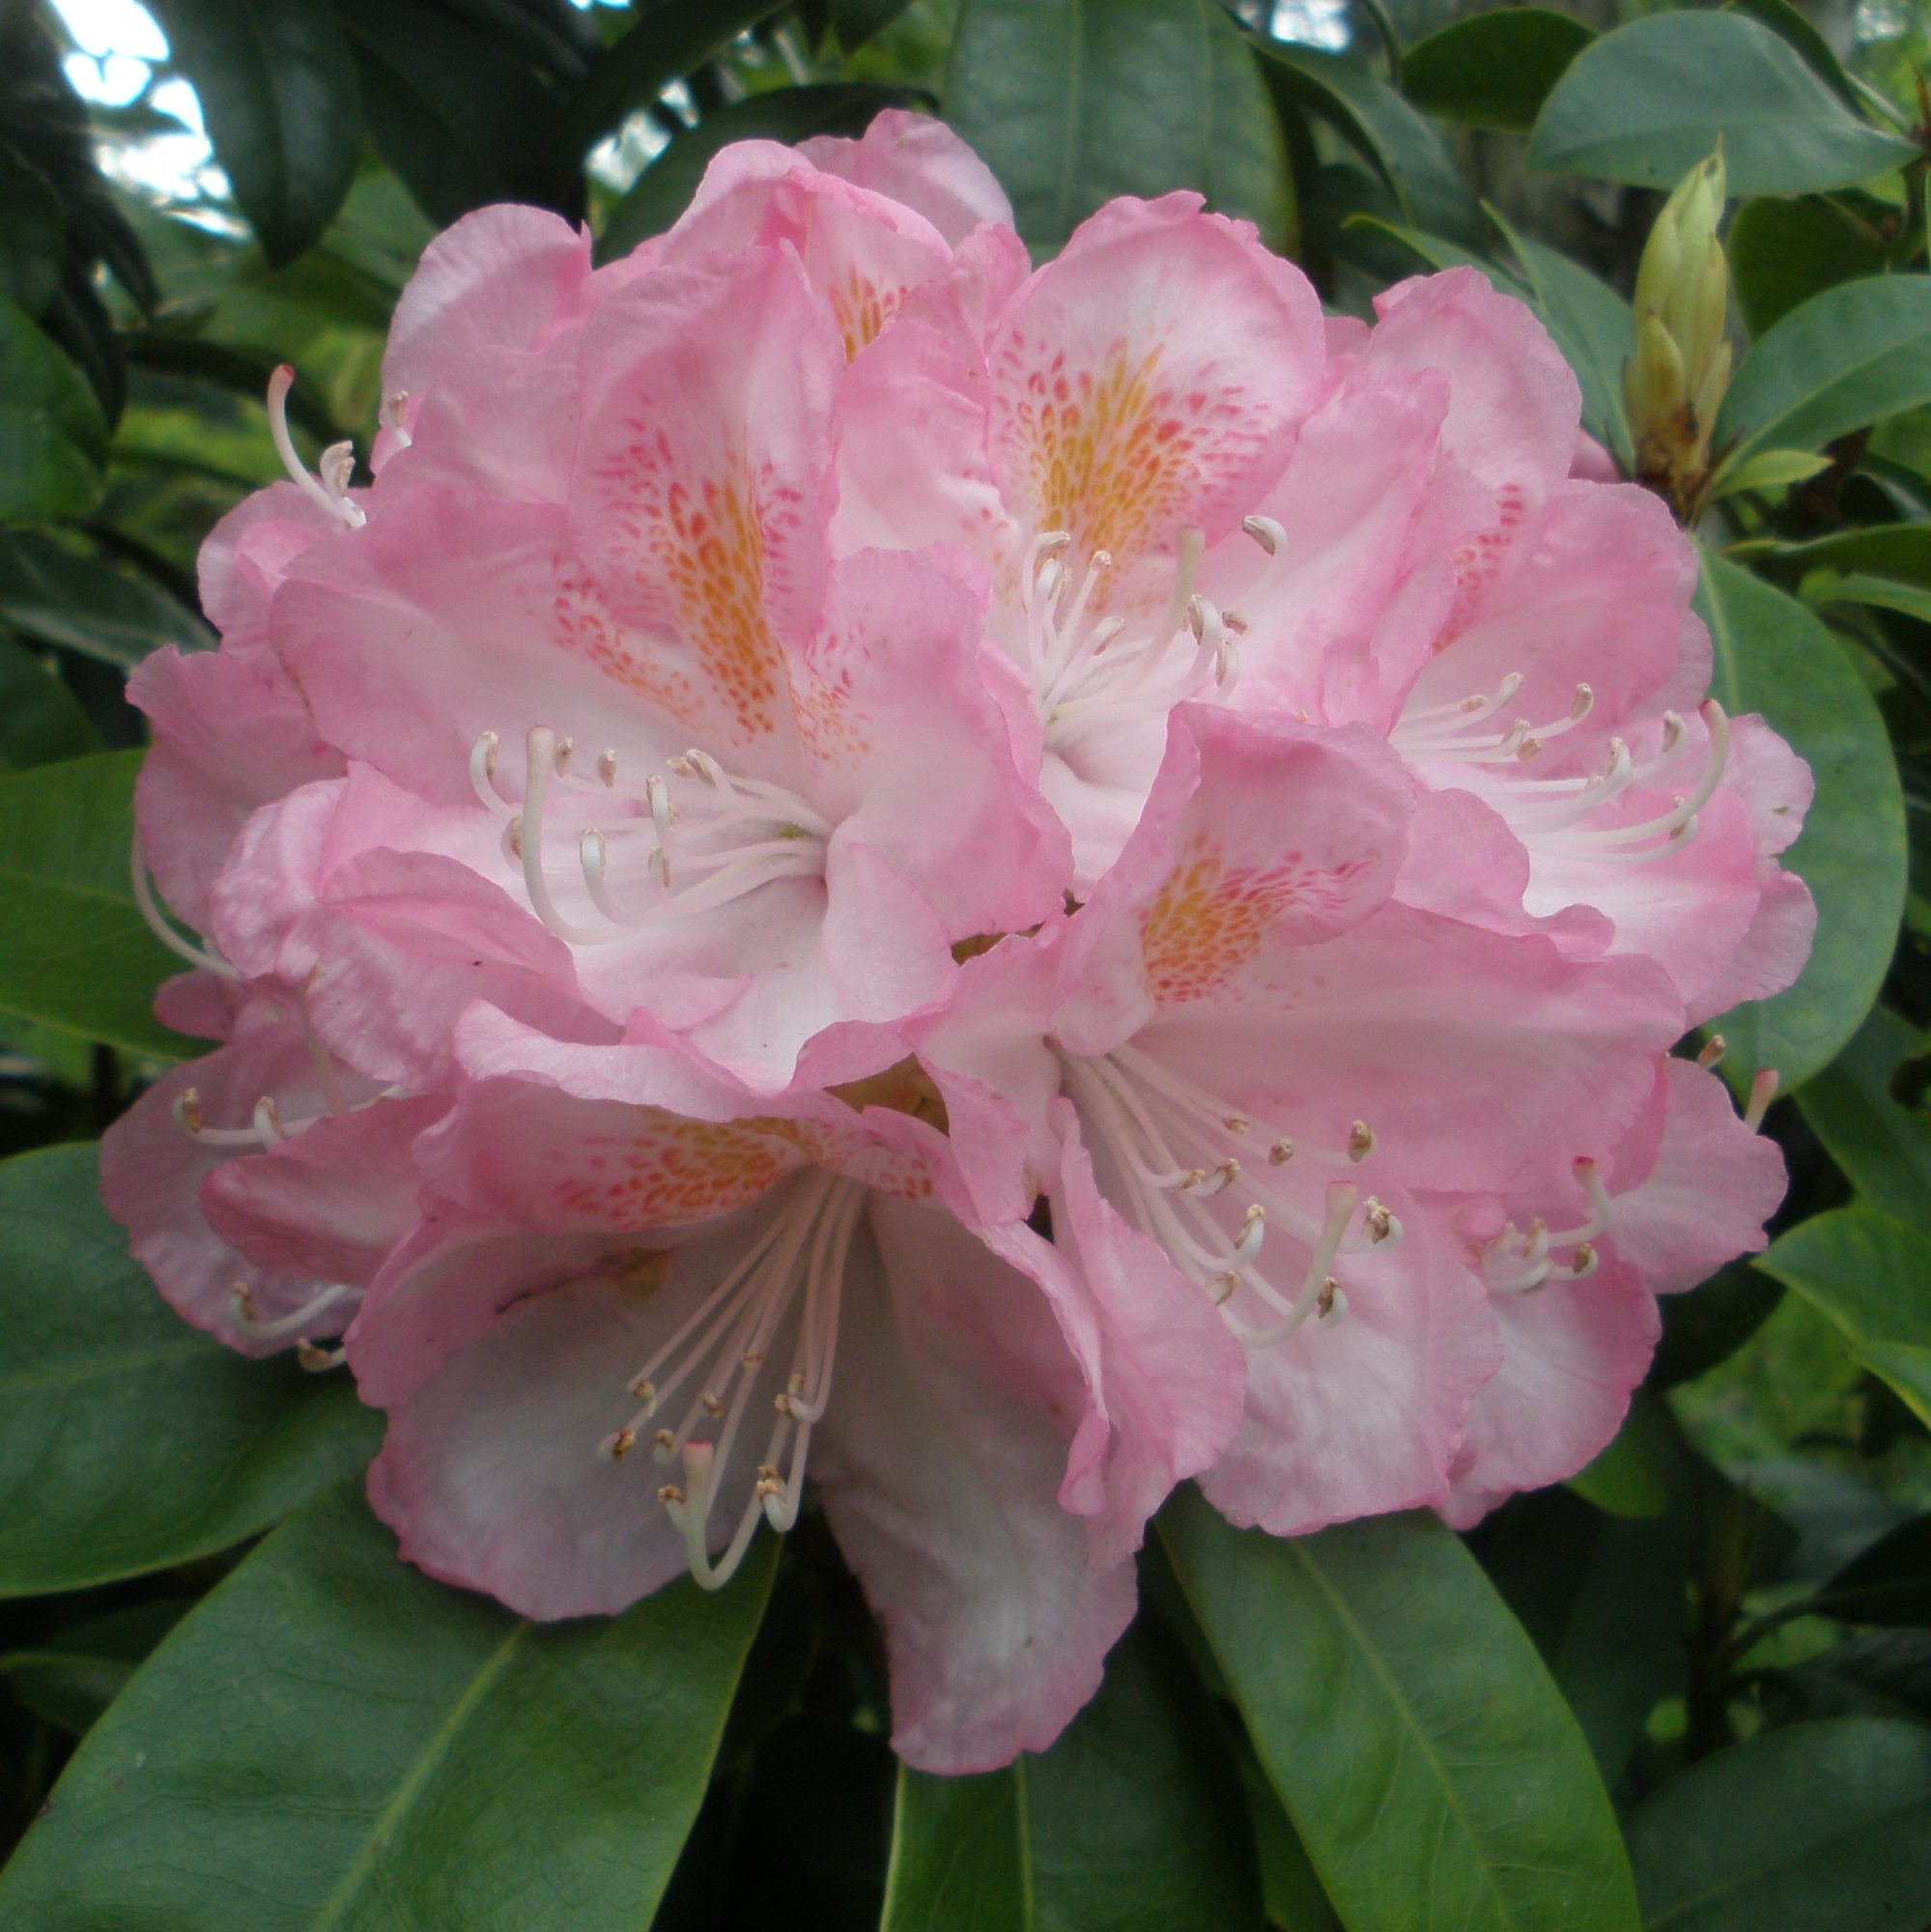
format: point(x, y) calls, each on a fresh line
point(157, 923)
point(1166, 1139)
point(795, 1268)
point(729, 838)
point(331, 492)
point(244, 1319)
point(1531, 1251)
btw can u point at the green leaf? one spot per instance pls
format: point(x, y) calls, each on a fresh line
point(1703, 1329)
point(277, 86)
point(1649, 102)
point(1404, 148)
point(1789, 25)
point(1888, 1584)
point(78, 956)
point(103, 1382)
point(669, 40)
point(1783, 252)
point(1815, 1828)
point(787, 114)
point(1432, 1769)
point(1908, 600)
point(1493, 70)
point(1072, 102)
point(53, 438)
point(73, 1677)
point(1769, 470)
point(1897, 550)
point(1633, 1476)
point(856, 21)
point(33, 234)
point(1774, 657)
point(1834, 363)
point(1134, 1819)
point(40, 720)
point(1883, 1148)
point(332, 1742)
point(1869, 1276)
point(83, 603)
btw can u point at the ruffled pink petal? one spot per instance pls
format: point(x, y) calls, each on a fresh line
point(248, 554)
point(1363, 1416)
point(939, 1465)
point(1571, 1355)
point(919, 161)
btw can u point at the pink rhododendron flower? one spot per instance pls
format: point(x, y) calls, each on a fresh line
point(1002, 888)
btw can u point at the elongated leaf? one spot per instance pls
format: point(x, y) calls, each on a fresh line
point(41, 721)
point(78, 956)
point(668, 41)
point(1134, 1819)
point(1773, 657)
point(1883, 1146)
point(1404, 148)
point(787, 114)
point(1788, 25)
point(1647, 103)
point(61, 596)
point(1869, 1276)
point(1835, 363)
point(1817, 1828)
point(1887, 1584)
point(1248, 171)
point(1429, 1766)
point(53, 438)
point(277, 86)
point(72, 1678)
point(1882, 593)
point(127, 1440)
point(1073, 102)
point(1901, 552)
point(1783, 252)
point(332, 1742)
point(1493, 70)
point(33, 234)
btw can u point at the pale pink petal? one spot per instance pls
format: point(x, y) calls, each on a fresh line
point(939, 1465)
point(919, 161)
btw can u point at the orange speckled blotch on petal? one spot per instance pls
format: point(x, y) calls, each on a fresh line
point(1115, 456)
point(862, 309)
point(675, 1169)
point(583, 624)
point(1210, 919)
point(1479, 562)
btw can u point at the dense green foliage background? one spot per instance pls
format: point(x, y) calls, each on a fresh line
point(1689, 1691)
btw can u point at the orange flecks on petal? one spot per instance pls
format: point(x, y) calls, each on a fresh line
point(1478, 561)
point(1210, 919)
point(862, 309)
point(1112, 456)
point(676, 1170)
point(701, 544)
point(583, 623)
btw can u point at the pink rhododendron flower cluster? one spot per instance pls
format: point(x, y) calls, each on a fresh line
point(1005, 887)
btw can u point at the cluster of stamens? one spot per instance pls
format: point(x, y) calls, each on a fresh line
point(793, 1274)
point(1169, 1142)
point(1550, 814)
point(1089, 673)
point(1520, 1260)
point(713, 839)
point(327, 484)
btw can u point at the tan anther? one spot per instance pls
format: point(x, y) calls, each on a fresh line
point(245, 1300)
point(1237, 1124)
point(559, 759)
point(1193, 1178)
point(644, 1389)
point(1713, 1050)
point(190, 1109)
point(1360, 1140)
point(1224, 1285)
point(513, 837)
point(607, 767)
point(712, 1404)
point(666, 1440)
point(1583, 1261)
point(753, 1358)
point(1528, 748)
point(313, 1358)
point(670, 1493)
point(1280, 1153)
point(1380, 1223)
point(1323, 1302)
point(622, 1443)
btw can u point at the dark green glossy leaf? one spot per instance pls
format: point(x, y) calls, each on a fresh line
point(332, 1742)
point(1702, 1329)
point(1834, 363)
point(1134, 1820)
point(63, 596)
point(1072, 102)
point(1870, 1276)
point(277, 86)
point(1633, 1476)
point(788, 114)
point(1774, 657)
point(1884, 1148)
point(127, 1440)
point(1493, 70)
point(40, 720)
point(669, 40)
point(73, 1677)
point(1783, 252)
point(1290, 1886)
point(1890, 1583)
point(1788, 25)
point(856, 21)
point(53, 438)
point(78, 956)
point(1403, 147)
point(1818, 1828)
point(1898, 551)
point(1880, 593)
point(1604, 1598)
point(1646, 103)
point(1431, 1768)
point(33, 234)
